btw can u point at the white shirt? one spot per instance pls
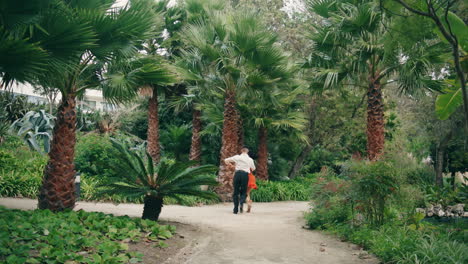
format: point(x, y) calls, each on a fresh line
point(243, 162)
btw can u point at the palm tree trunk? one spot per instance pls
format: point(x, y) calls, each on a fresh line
point(195, 147)
point(240, 133)
point(229, 141)
point(152, 207)
point(58, 186)
point(375, 119)
point(262, 160)
point(153, 127)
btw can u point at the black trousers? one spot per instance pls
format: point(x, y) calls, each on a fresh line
point(241, 179)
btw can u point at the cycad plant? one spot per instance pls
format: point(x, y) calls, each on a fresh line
point(139, 177)
point(355, 47)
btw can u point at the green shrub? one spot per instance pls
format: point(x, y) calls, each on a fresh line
point(331, 202)
point(135, 123)
point(95, 155)
point(20, 169)
point(373, 185)
point(14, 184)
point(41, 236)
point(298, 189)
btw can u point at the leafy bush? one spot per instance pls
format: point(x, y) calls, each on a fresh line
point(373, 184)
point(16, 184)
point(445, 195)
point(41, 236)
point(135, 123)
point(20, 169)
point(95, 155)
point(15, 106)
point(372, 204)
point(331, 202)
point(293, 190)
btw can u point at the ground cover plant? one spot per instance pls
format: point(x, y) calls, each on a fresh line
point(41, 236)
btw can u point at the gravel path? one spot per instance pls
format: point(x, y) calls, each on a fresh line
point(272, 233)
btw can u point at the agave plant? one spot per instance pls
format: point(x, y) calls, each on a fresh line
point(140, 177)
point(35, 127)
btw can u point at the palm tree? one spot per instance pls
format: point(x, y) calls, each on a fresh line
point(193, 68)
point(79, 39)
point(145, 76)
point(277, 109)
point(140, 177)
point(21, 59)
point(233, 45)
point(355, 48)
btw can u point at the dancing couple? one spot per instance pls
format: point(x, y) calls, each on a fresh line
point(244, 180)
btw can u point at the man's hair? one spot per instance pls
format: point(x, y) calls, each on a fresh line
point(244, 149)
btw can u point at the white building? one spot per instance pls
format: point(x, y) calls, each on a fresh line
point(93, 99)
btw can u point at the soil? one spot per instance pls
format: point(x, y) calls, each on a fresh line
point(179, 247)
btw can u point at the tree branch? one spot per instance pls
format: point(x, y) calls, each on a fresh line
point(421, 13)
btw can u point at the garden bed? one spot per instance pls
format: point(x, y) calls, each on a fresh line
point(41, 236)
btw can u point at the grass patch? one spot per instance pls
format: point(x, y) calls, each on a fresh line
point(41, 236)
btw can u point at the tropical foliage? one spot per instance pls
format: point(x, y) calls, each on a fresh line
point(74, 236)
point(138, 177)
point(357, 105)
point(36, 129)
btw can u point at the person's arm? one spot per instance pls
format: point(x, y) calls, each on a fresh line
point(230, 160)
point(252, 165)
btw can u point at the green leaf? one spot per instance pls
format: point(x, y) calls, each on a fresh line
point(458, 28)
point(162, 244)
point(165, 234)
point(447, 104)
point(123, 246)
point(135, 260)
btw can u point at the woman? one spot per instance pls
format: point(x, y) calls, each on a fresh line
point(251, 185)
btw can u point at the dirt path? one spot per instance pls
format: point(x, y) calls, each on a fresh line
point(272, 233)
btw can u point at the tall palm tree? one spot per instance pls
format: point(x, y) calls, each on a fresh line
point(234, 45)
point(79, 38)
point(193, 68)
point(276, 110)
point(354, 47)
point(143, 75)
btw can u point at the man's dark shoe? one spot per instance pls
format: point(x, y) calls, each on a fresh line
point(235, 210)
point(242, 208)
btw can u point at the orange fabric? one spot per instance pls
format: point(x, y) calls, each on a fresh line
point(252, 183)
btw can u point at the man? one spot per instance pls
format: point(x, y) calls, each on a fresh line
point(243, 165)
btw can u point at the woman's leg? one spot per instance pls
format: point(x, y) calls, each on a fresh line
point(249, 201)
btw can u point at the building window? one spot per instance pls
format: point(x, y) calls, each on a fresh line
point(89, 105)
point(108, 106)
